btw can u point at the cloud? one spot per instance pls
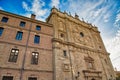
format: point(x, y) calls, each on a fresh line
point(36, 8)
point(92, 11)
point(25, 6)
point(113, 46)
point(1, 8)
point(55, 3)
point(117, 21)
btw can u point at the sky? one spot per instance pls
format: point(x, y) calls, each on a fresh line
point(105, 14)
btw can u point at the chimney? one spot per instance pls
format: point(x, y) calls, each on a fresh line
point(33, 16)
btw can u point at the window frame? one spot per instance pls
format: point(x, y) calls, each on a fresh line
point(19, 35)
point(36, 39)
point(34, 58)
point(4, 19)
point(22, 24)
point(8, 77)
point(1, 31)
point(13, 57)
point(38, 28)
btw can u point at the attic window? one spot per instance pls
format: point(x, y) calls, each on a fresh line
point(81, 34)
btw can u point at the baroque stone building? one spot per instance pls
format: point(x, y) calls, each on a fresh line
point(62, 48)
point(79, 52)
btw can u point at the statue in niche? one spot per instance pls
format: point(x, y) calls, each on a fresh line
point(61, 26)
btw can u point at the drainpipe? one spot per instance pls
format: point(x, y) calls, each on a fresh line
point(24, 56)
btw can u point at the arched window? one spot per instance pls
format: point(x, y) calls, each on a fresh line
point(81, 34)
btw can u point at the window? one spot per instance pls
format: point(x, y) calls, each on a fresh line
point(38, 27)
point(1, 31)
point(19, 35)
point(81, 34)
point(4, 19)
point(22, 24)
point(32, 78)
point(36, 39)
point(13, 55)
point(7, 78)
point(64, 53)
point(34, 59)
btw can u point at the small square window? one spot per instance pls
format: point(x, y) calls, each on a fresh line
point(19, 35)
point(4, 19)
point(1, 31)
point(38, 27)
point(36, 39)
point(22, 24)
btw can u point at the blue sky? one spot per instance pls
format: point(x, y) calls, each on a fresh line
point(105, 14)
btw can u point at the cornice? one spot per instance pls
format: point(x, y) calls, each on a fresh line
point(64, 15)
point(17, 44)
point(78, 46)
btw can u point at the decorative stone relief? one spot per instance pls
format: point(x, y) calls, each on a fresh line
point(66, 67)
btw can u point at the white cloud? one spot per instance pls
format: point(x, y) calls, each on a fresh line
point(55, 3)
point(25, 6)
point(36, 8)
point(91, 11)
point(106, 17)
point(117, 21)
point(1, 8)
point(113, 46)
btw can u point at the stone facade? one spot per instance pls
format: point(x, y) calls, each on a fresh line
point(69, 49)
point(22, 68)
point(79, 52)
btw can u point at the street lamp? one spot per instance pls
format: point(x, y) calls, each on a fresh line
point(78, 74)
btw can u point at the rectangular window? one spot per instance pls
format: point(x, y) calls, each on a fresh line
point(7, 78)
point(38, 27)
point(1, 31)
point(64, 53)
point(22, 24)
point(34, 59)
point(4, 19)
point(32, 78)
point(36, 39)
point(19, 35)
point(13, 55)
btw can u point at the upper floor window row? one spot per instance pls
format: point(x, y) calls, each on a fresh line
point(4, 19)
point(1, 31)
point(22, 23)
